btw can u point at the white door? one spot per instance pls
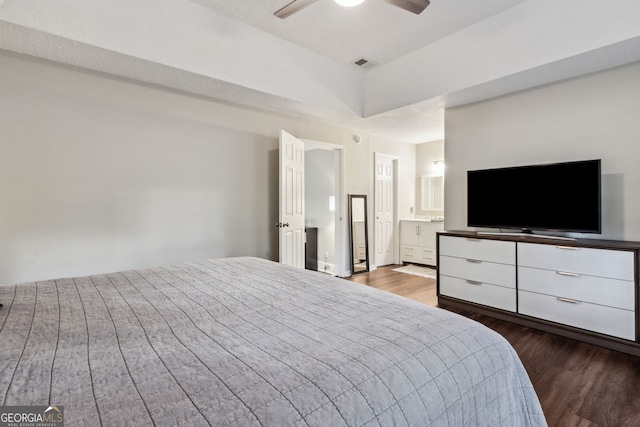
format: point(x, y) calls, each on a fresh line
point(291, 216)
point(384, 209)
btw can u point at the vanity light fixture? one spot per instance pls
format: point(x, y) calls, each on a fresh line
point(349, 3)
point(438, 167)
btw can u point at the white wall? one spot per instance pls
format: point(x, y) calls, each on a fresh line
point(592, 117)
point(101, 174)
point(98, 174)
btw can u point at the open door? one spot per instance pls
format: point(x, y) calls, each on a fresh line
point(291, 216)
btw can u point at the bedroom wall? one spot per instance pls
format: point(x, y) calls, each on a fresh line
point(595, 116)
point(101, 174)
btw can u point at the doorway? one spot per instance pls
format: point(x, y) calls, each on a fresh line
point(385, 212)
point(323, 205)
point(326, 225)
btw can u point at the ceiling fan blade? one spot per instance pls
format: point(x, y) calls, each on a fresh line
point(415, 6)
point(293, 7)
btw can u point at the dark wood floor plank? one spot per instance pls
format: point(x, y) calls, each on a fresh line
point(578, 384)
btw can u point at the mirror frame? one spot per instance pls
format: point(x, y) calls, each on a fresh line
point(432, 193)
point(352, 233)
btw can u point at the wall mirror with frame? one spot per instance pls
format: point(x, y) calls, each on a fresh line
point(358, 233)
point(432, 193)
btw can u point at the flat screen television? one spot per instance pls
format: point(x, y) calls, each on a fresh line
point(562, 197)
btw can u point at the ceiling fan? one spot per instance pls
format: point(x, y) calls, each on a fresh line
point(414, 6)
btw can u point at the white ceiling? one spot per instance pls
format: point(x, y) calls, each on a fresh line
point(455, 52)
point(374, 30)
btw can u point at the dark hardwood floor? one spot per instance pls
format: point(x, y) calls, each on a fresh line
point(578, 384)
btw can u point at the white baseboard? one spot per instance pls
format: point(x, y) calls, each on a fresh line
point(325, 267)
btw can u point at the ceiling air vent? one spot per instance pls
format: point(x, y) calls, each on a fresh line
point(364, 63)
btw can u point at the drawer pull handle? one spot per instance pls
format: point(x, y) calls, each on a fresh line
point(474, 261)
point(569, 248)
point(473, 282)
point(471, 239)
point(572, 301)
point(566, 273)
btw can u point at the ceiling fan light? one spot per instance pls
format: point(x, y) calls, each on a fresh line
point(349, 3)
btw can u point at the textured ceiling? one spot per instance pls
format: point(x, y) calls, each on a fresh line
point(374, 30)
point(455, 52)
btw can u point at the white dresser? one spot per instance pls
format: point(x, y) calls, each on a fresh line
point(418, 241)
point(585, 289)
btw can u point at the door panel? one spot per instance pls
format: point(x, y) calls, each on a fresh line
point(384, 215)
point(291, 216)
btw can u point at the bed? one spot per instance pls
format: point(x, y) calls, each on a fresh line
point(249, 342)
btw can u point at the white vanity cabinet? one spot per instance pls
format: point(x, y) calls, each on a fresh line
point(584, 289)
point(418, 241)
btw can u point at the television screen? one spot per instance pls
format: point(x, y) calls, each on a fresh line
point(554, 197)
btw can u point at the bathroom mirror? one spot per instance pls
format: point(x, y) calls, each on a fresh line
point(359, 239)
point(432, 193)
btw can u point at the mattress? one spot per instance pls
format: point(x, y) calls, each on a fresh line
point(249, 342)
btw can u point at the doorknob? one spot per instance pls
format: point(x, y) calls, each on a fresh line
point(280, 225)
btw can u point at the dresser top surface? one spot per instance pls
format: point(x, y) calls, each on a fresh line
point(546, 240)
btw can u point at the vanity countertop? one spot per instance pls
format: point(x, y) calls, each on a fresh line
point(437, 220)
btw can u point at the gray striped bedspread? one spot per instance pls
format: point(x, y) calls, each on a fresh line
point(249, 342)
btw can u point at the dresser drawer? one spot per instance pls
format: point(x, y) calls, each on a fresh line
point(480, 271)
point(478, 292)
point(478, 249)
point(593, 317)
point(597, 290)
point(593, 262)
